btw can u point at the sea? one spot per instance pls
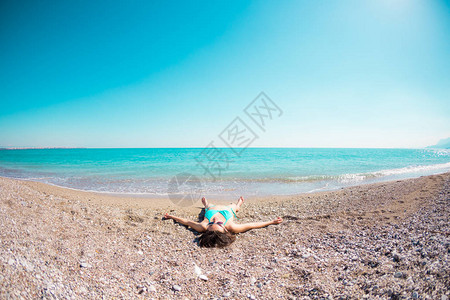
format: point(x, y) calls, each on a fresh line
point(218, 172)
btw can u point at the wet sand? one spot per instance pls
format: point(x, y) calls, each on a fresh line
point(384, 240)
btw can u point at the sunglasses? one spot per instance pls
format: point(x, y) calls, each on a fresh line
point(218, 223)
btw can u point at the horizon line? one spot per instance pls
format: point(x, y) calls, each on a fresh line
point(311, 147)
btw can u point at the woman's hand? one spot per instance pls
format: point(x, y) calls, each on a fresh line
point(194, 225)
point(277, 221)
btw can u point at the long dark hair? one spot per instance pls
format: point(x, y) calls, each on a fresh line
point(218, 239)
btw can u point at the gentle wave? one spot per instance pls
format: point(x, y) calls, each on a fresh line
point(346, 178)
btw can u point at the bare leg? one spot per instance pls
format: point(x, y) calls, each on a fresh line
point(238, 204)
point(205, 202)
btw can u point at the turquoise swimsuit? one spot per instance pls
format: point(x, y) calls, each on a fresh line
point(209, 213)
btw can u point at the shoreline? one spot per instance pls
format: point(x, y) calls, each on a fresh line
point(159, 200)
point(382, 240)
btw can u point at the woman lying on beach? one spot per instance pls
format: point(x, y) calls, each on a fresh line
point(218, 226)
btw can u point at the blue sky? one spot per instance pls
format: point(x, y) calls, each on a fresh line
point(175, 73)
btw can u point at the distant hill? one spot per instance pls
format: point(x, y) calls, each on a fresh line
point(442, 144)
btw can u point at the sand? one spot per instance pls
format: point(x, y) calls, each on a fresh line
point(386, 240)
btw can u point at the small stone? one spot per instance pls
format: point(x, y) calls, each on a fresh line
point(85, 265)
point(306, 255)
point(227, 294)
point(259, 285)
point(415, 295)
point(398, 275)
point(152, 289)
point(11, 262)
point(252, 297)
point(140, 252)
point(197, 270)
point(373, 264)
point(176, 287)
point(203, 277)
point(252, 280)
point(444, 297)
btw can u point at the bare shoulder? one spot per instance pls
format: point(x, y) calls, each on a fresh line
point(231, 225)
point(204, 223)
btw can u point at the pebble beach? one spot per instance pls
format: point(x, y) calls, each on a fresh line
point(386, 240)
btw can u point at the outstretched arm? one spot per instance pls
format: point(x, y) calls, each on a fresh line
point(194, 225)
point(239, 228)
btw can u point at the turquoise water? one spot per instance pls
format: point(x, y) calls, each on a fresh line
point(258, 171)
